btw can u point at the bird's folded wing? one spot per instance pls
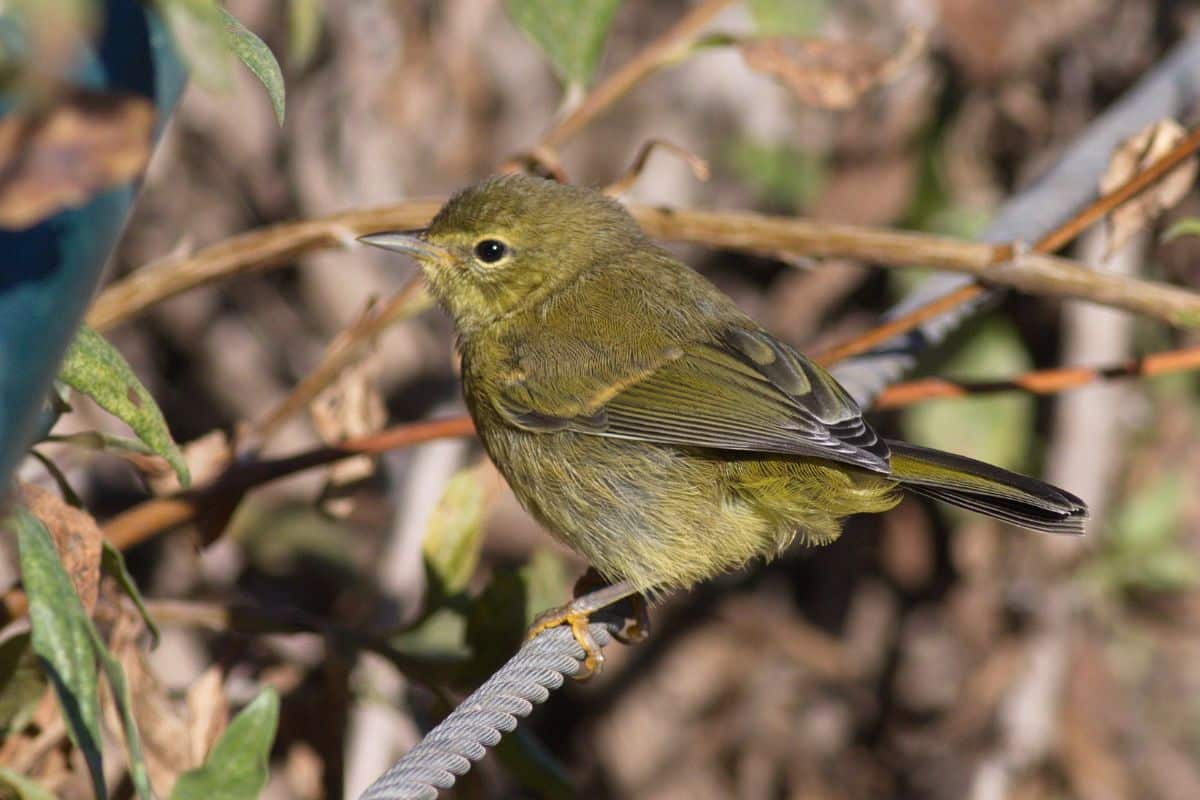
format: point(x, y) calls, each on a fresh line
point(743, 391)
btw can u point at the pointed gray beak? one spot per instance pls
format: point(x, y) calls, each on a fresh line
point(409, 242)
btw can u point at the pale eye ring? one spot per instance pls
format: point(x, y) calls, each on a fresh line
point(489, 251)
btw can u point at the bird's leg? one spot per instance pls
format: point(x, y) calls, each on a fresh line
point(577, 613)
point(632, 608)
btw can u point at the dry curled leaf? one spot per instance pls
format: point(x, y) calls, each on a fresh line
point(825, 73)
point(1134, 155)
point(61, 156)
point(350, 407)
point(205, 457)
point(161, 719)
point(76, 536)
point(209, 713)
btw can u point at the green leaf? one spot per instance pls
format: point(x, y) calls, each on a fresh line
point(22, 683)
point(1184, 227)
point(786, 17)
point(537, 769)
point(24, 788)
point(997, 428)
point(236, 769)
point(198, 29)
point(113, 565)
point(1150, 518)
point(496, 623)
point(547, 583)
point(61, 635)
point(783, 175)
point(103, 442)
point(94, 367)
point(255, 54)
point(304, 29)
point(571, 34)
point(60, 480)
point(124, 702)
point(455, 532)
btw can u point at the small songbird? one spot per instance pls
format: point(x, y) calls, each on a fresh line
point(647, 422)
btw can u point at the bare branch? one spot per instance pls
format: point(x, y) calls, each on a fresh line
point(735, 230)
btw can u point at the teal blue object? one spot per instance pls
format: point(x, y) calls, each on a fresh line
point(49, 272)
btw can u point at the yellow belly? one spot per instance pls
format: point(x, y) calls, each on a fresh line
point(665, 518)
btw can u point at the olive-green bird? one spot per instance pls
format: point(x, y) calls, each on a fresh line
point(645, 420)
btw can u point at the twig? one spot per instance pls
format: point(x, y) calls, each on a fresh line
point(663, 51)
point(1046, 381)
point(624, 183)
point(343, 351)
point(1050, 243)
point(248, 252)
point(995, 264)
point(737, 230)
point(153, 516)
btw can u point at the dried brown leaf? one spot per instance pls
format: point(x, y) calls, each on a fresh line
point(1131, 157)
point(161, 720)
point(206, 457)
point(350, 407)
point(76, 536)
point(826, 73)
point(209, 713)
point(62, 156)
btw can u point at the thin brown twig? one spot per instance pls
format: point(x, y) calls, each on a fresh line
point(624, 183)
point(661, 52)
point(343, 350)
point(221, 496)
point(736, 230)
point(1034, 272)
point(1046, 381)
point(248, 252)
point(1050, 243)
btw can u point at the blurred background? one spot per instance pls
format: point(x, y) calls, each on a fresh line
point(926, 654)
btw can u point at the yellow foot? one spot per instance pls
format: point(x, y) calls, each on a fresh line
point(571, 615)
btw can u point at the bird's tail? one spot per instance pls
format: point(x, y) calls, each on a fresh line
point(988, 490)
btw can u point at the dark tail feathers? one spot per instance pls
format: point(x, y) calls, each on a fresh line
point(988, 490)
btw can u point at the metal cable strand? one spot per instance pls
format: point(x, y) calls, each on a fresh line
point(484, 716)
point(492, 710)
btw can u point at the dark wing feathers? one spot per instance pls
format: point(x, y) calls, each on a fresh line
point(744, 391)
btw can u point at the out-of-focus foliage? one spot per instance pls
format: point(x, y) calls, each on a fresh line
point(304, 29)
point(1145, 547)
point(451, 544)
point(570, 34)
point(995, 429)
point(786, 17)
point(24, 788)
point(37, 38)
point(113, 563)
point(236, 768)
point(784, 176)
point(22, 682)
point(1184, 227)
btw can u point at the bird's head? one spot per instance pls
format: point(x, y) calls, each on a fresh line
point(508, 242)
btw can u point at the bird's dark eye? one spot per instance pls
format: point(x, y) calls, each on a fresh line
point(489, 251)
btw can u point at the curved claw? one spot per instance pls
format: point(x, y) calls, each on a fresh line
point(578, 620)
